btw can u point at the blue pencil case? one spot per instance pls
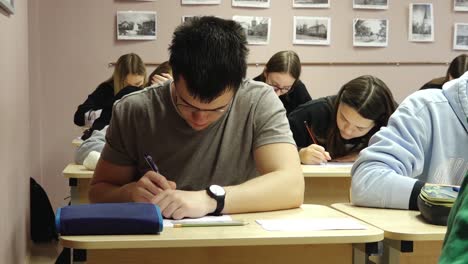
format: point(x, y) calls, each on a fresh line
point(109, 219)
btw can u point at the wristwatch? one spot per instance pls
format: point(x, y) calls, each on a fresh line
point(219, 194)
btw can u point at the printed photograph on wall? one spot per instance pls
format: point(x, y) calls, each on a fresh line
point(251, 3)
point(460, 5)
point(136, 25)
point(257, 29)
point(311, 3)
point(421, 23)
point(201, 2)
point(370, 4)
point(460, 36)
point(311, 30)
point(370, 32)
point(8, 5)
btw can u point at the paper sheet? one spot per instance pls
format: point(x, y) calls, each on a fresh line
point(170, 222)
point(310, 224)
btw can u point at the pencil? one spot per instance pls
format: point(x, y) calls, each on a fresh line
point(213, 223)
point(310, 133)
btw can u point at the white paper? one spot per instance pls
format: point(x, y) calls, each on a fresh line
point(310, 224)
point(222, 218)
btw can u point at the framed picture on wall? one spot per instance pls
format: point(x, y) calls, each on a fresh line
point(460, 5)
point(201, 2)
point(460, 36)
point(311, 3)
point(136, 25)
point(370, 32)
point(421, 23)
point(370, 4)
point(257, 29)
point(311, 30)
point(251, 3)
point(8, 5)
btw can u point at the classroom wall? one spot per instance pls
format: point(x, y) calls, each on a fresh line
point(73, 41)
point(14, 134)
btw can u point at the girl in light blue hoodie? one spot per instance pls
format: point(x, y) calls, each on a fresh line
point(426, 141)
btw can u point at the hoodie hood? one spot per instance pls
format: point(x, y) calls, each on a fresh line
point(456, 92)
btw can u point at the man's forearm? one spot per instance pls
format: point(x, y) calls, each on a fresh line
point(272, 191)
point(108, 193)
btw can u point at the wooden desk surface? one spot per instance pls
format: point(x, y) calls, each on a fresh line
point(325, 171)
point(248, 235)
point(77, 171)
point(397, 224)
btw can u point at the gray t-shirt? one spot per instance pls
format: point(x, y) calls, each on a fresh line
point(148, 122)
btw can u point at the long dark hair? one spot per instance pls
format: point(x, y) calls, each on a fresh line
point(457, 67)
point(372, 99)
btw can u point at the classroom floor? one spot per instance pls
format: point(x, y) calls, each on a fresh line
point(44, 253)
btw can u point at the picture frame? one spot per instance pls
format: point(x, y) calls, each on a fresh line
point(251, 3)
point(460, 5)
point(201, 2)
point(370, 4)
point(460, 36)
point(257, 29)
point(8, 6)
point(311, 3)
point(310, 30)
point(370, 32)
point(421, 22)
point(136, 25)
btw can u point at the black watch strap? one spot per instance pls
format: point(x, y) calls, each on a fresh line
point(219, 202)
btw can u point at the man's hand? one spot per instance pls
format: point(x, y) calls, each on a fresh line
point(178, 204)
point(150, 185)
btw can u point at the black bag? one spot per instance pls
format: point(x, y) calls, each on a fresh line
point(42, 215)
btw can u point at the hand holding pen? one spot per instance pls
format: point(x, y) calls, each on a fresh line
point(161, 182)
point(150, 184)
point(313, 154)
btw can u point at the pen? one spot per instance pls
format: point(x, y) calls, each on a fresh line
point(151, 163)
point(310, 133)
point(213, 223)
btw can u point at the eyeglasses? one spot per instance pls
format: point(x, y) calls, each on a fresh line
point(282, 90)
point(186, 107)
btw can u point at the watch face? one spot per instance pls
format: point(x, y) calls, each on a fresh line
point(217, 190)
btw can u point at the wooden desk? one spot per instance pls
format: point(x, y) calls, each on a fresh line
point(235, 244)
point(325, 185)
point(79, 179)
point(408, 239)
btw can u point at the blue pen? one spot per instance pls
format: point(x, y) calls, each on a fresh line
point(457, 189)
point(150, 162)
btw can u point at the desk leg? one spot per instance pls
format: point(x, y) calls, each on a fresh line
point(79, 190)
point(394, 248)
point(78, 256)
point(406, 252)
point(361, 252)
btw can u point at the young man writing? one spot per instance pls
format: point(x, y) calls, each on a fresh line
point(222, 144)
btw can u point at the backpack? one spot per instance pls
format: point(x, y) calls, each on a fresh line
point(42, 217)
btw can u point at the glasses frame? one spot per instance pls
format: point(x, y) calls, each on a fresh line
point(193, 109)
point(285, 89)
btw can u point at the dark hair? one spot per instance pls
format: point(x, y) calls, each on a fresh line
point(127, 64)
point(164, 67)
point(372, 99)
point(285, 61)
point(457, 67)
point(210, 53)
